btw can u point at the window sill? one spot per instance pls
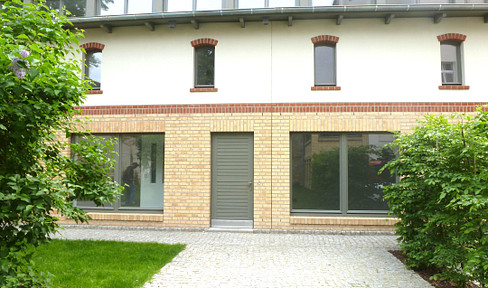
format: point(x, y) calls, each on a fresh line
point(453, 87)
point(326, 88)
point(343, 221)
point(95, 92)
point(204, 90)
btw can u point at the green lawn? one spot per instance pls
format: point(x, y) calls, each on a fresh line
point(111, 264)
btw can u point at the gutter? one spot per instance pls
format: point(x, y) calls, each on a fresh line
point(233, 15)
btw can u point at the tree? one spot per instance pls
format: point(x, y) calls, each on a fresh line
point(442, 197)
point(40, 83)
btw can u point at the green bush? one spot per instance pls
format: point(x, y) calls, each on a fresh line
point(40, 83)
point(442, 196)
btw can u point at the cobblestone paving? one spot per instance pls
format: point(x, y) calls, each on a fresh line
point(229, 259)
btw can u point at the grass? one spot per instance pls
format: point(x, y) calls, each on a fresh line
point(84, 263)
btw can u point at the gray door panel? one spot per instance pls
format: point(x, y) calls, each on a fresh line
point(232, 176)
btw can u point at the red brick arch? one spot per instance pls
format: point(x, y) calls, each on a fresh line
point(451, 37)
point(93, 46)
point(325, 39)
point(204, 42)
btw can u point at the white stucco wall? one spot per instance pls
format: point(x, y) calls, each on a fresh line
point(398, 62)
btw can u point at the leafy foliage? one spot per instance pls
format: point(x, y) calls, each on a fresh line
point(442, 198)
point(40, 83)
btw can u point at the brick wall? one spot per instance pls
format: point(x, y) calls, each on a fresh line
point(188, 130)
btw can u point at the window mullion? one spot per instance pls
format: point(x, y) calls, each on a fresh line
point(343, 178)
point(117, 169)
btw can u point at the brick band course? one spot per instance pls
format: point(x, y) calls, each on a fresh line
point(283, 108)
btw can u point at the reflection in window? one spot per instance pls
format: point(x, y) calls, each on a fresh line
point(93, 67)
point(141, 165)
point(90, 204)
point(242, 4)
point(282, 3)
point(209, 4)
point(322, 2)
point(77, 8)
point(204, 66)
point(328, 168)
point(325, 64)
point(180, 5)
point(140, 168)
point(366, 156)
point(112, 7)
point(139, 6)
point(451, 63)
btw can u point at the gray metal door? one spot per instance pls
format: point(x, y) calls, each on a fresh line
point(232, 180)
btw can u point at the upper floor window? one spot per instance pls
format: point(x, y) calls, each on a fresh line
point(451, 63)
point(204, 62)
point(93, 63)
point(76, 8)
point(93, 69)
point(325, 60)
point(204, 66)
point(451, 58)
point(243, 4)
point(116, 7)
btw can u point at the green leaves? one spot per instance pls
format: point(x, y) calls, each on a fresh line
point(39, 86)
point(442, 197)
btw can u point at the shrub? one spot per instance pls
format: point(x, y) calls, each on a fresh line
point(442, 196)
point(40, 83)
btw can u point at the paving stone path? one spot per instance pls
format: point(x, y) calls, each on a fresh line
point(230, 259)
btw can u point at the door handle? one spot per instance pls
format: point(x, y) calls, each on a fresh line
point(250, 184)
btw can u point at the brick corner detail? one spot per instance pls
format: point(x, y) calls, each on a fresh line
point(329, 88)
point(453, 87)
point(204, 89)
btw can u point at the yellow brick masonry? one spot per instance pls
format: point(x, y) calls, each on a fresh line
point(188, 164)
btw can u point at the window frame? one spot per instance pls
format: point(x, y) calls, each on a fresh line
point(458, 69)
point(117, 206)
point(333, 68)
point(126, 8)
point(86, 67)
point(196, 70)
point(343, 177)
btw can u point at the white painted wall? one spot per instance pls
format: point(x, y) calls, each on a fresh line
point(399, 62)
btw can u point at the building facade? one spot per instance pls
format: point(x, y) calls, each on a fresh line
point(270, 114)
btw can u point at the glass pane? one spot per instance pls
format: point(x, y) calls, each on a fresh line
point(141, 162)
point(282, 3)
point(324, 65)
point(366, 154)
point(434, 1)
point(76, 7)
point(204, 57)
point(180, 5)
point(250, 4)
point(450, 63)
point(322, 2)
point(53, 4)
point(139, 6)
point(354, 2)
point(209, 4)
point(315, 171)
point(112, 7)
point(90, 204)
point(401, 1)
point(94, 67)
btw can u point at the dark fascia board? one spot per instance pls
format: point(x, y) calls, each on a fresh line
point(282, 14)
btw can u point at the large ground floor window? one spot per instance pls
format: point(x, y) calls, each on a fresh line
point(337, 173)
point(140, 168)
